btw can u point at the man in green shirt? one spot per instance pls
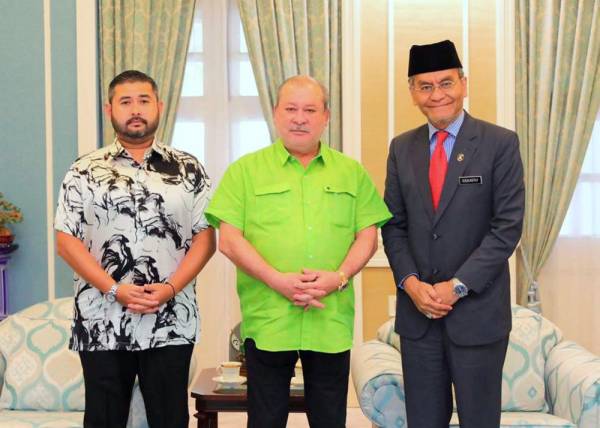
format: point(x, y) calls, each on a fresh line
point(298, 219)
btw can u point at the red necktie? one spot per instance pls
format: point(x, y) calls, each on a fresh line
point(437, 168)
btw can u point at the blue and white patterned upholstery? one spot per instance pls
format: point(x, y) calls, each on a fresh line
point(531, 338)
point(547, 382)
point(573, 384)
point(37, 419)
point(41, 379)
point(41, 373)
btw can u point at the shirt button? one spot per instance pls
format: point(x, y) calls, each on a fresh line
point(436, 271)
point(309, 227)
point(435, 236)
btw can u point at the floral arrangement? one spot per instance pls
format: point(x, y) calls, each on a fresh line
point(9, 213)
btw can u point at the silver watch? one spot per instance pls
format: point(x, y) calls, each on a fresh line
point(460, 290)
point(111, 296)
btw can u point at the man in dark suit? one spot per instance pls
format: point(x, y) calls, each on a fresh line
point(455, 189)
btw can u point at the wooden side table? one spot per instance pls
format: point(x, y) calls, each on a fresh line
point(209, 403)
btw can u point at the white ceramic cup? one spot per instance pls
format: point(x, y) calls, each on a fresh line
point(230, 370)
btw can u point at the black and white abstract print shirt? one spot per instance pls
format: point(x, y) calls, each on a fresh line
point(138, 221)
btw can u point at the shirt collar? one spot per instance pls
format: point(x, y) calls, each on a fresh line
point(283, 155)
point(116, 149)
point(452, 129)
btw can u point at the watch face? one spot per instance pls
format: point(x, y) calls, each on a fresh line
point(111, 296)
point(461, 290)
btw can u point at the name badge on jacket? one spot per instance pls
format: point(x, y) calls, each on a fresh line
point(470, 179)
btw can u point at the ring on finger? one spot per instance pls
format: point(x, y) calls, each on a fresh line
point(428, 315)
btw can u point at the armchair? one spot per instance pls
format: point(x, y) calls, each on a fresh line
point(41, 380)
point(547, 381)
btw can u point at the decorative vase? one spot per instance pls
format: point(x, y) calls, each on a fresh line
point(6, 236)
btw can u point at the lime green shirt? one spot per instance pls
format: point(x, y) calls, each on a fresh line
point(297, 218)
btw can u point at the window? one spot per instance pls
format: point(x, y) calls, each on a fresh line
point(583, 216)
point(569, 280)
point(219, 117)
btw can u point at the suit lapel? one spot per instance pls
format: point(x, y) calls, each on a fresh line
point(419, 159)
point(464, 148)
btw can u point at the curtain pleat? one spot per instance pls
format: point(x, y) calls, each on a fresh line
point(150, 36)
point(557, 99)
point(291, 37)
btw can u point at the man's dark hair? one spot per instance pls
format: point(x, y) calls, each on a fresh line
point(130, 76)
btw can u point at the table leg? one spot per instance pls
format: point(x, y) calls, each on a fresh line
point(207, 419)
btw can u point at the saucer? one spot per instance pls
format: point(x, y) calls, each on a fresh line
point(230, 381)
point(297, 381)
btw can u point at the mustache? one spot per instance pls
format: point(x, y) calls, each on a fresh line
point(300, 129)
point(144, 121)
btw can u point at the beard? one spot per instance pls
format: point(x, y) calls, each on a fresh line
point(139, 134)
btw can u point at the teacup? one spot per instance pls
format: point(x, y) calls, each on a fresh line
point(230, 370)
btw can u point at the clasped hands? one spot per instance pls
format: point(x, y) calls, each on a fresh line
point(306, 289)
point(434, 301)
point(143, 299)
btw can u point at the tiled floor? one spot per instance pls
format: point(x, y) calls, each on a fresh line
point(355, 419)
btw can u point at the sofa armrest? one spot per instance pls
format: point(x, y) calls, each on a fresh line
point(572, 378)
point(378, 381)
point(2, 370)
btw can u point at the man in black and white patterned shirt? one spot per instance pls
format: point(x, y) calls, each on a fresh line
point(130, 222)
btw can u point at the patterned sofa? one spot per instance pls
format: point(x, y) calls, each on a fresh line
point(547, 381)
point(41, 380)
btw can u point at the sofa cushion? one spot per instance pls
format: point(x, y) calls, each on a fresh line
point(385, 405)
point(50, 309)
point(41, 372)
point(37, 419)
point(386, 334)
point(531, 338)
point(526, 420)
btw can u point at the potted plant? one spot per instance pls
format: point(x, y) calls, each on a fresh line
point(9, 213)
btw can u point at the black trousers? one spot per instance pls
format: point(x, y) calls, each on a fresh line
point(433, 363)
point(325, 386)
point(163, 375)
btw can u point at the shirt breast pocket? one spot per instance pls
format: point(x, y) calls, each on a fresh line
point(340, 203)
point(273, 203)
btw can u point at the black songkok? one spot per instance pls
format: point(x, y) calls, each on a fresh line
point(433, 57)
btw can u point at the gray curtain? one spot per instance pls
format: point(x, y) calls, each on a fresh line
point(291, 37)
point(557, 99)
point(150, 36)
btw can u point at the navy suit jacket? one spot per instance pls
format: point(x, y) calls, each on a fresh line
point(470, 236)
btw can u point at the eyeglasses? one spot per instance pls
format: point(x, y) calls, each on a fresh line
point(427, 88)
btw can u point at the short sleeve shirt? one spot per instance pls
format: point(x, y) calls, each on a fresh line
point(137, 221)
point(297, 218)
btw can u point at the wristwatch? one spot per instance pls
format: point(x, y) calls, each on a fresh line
point(460, 290)
point(343, 281)
point(111, 296)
